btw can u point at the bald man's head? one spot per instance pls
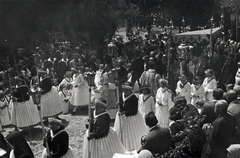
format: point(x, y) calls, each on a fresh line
point(221, 107)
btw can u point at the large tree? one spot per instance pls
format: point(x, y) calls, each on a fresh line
point(27, 23)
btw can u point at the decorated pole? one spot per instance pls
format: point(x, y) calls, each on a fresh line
point(90, 80)
point(115, 73)
point(211, 34)
point(36, 97)
point(168, 48)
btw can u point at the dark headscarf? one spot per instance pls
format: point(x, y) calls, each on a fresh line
point(4, 145)
point(20, 145)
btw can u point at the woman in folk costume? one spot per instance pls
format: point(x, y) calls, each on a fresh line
point(209, 84)
point(129, 123)
point(80, 90)
point(65, 90)
point(51, 102)
point(5, 118)
point(163, 103)
point(109, 90)
point(146, 101)
point(58, 141)
point(24, 113)
point(184, 88)
point(102, 140)
point(21, 149)
point(197, 91)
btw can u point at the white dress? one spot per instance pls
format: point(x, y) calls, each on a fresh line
point(209, 84)
point(24, 114)
point(80, 91)
point(5, 118)
point(197, 94)
point(146, 104)
point(65, 94)
point(103, 147)
point(163, 104)
point(184, 90)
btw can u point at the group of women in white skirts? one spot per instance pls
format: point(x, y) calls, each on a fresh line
point(100, 140)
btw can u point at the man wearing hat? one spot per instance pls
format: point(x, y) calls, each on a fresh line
point(58, 141)
point(209, 84)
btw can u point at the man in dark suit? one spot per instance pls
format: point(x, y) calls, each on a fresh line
point(158, 139)
point(234, 109)
point(208, 108)
point(223, 129)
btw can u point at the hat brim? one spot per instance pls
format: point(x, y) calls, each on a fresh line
point(127, 87)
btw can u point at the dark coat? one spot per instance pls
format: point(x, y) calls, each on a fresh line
point(224, 128)
point(208, 110)
point(100, 126)
point(20, 145)
point(58, 145)
point(46, 85)
point(157, 141)
point(129, 106)
point(137, 68)
point(21, 94)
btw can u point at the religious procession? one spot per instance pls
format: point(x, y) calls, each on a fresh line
point(149, 90)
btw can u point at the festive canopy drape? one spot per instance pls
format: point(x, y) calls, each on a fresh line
point(197, 36)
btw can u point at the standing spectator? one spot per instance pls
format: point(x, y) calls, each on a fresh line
point(223, 128)
point(234, 109)
point(202, 66)
point(208, 107)
point(62, 67)
point(137, 67)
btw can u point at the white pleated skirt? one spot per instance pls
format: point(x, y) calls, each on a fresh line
point(5, 118)
point(69, 154)
point(130, 130)
point(162, 114)
point(103, 147)
point(24, 114)
point(51, 103)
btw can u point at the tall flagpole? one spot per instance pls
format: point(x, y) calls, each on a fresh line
point(237, 26)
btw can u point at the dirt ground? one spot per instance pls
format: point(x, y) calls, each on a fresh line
point(75, 126)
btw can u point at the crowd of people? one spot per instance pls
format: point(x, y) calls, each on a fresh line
point(161, 88)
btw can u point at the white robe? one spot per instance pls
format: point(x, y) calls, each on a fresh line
point(185, 91)
point(146, 104)
point(209, 84)
point(163, 104)
point(197, 94)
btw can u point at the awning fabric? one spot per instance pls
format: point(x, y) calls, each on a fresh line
point(197, 36)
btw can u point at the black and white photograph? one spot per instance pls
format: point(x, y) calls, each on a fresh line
point(119, 78)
